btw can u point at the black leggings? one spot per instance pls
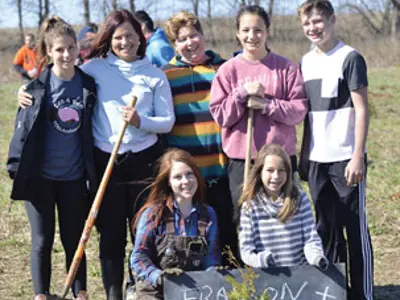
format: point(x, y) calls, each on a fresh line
point(122, 199)
point(72, 206)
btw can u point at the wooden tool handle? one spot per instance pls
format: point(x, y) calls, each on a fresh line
point(94, 209)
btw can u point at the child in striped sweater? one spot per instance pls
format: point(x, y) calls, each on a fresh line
point(276, 222)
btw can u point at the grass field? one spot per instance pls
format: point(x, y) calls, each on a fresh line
point(383, 196)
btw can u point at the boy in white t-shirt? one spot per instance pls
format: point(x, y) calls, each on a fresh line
point(333, 156)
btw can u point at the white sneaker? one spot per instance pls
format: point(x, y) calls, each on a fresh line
point(130, 293)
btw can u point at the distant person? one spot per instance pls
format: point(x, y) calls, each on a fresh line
point(25, 59)
point(51, 155)
point(277, 226)
point(158, 50)
point(333, 156)
point(85, 39)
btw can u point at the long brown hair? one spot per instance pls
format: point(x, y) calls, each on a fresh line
point(161, 195)
point(290, 191)
point(102, 43)
point(52, 28)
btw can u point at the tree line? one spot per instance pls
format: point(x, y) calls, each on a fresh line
point(381, 17)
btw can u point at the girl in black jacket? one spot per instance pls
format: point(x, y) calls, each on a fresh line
point(51, 155)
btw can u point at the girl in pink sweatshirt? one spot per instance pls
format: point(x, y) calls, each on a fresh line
point(279, 101)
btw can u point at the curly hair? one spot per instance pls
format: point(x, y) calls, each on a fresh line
point(178, 21)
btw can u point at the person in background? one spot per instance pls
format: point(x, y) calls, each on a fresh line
point(25, 59)
point(85, 40)
point(158, 49)
point(175, 230)
point(261, 80)
point(277, 227)
point(51, 155)
point(190, 74)
point(333, 156)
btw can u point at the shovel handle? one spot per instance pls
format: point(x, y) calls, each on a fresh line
point(249, 136)
point(94, 209)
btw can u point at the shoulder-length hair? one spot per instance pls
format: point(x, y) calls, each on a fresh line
point(161, 195)
point(102, 43)
point(289, 190)
point(180, 20)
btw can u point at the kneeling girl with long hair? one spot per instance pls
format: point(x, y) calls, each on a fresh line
point(175, 230)
point(276, 223)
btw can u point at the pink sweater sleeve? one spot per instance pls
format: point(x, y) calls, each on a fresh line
point(227, 105)
point(293, 109)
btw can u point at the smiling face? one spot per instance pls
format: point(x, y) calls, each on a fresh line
point(182, 181)
point(190, 45)
point(125, 42)
point(252, 34)
point(318, 28)
point(63, 53)
point(273, 175)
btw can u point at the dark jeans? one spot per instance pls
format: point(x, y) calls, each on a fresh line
point(123, 197)
point(219, 198)
point(73, 207)
point(339, 207)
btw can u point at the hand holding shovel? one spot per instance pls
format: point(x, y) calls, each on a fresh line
point(94, 209)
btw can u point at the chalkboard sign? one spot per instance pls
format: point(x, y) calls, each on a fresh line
point(290, 283)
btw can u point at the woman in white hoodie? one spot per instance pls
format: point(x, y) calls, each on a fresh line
point(120, 68)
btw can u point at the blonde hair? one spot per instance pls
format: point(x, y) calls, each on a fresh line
point(178, 21)
point(52, 28)
point(290, 191)
point(324, 7)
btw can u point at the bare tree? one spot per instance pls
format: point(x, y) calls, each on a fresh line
point(40, 13)
point(43, 10)
point(105, 8)
point(271, 8)
point(20, 21)
point(395, 19)
point(114, 4)
point(195, 4)
point(210, 22)
point(46, 8)
point(381, 17)
point(132, 5)
point(86, 12)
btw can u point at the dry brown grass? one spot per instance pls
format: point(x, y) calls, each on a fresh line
point(383, 191)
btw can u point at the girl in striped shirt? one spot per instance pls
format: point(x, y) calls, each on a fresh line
point(276, 222)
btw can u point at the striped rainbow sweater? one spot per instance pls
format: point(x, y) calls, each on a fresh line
point(195, 130)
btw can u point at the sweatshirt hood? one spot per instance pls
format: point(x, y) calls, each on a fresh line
point(158, 34)
point(127, 68)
